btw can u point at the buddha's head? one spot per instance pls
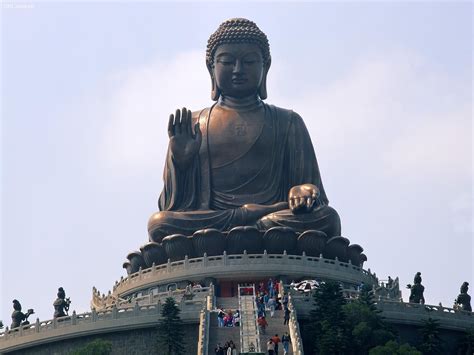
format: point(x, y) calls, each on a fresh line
point(238, 59)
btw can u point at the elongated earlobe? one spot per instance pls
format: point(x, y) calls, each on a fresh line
point(215, 92)
point(262, 90)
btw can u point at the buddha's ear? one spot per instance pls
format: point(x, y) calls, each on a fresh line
point(262, 90)
point(215, 92)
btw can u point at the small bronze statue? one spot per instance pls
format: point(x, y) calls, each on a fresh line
point(61, 305)
point(464, 300)
point(18, 317)
point(416, 290)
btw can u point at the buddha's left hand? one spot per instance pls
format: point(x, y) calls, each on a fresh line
point(302, 198)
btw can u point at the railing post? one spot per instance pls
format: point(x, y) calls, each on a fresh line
point(136, 309)
point(225, 258)
point(94, 315)
point(204, 260)
point(37, 325)
point(168, 266)
point(114, 311)
point(74, 318)
point(186, 262)
point(55, 323)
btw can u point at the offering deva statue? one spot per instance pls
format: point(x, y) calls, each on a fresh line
point(241, 162)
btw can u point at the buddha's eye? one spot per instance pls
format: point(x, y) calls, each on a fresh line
point(225, 61)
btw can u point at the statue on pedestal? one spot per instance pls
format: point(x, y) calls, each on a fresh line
point(416, 290)
point(464, 300)
point(241, 175)
point(61, 304)
point(240, 162)
point(18, 317)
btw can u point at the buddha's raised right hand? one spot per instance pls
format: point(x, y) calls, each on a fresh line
point(184, 144)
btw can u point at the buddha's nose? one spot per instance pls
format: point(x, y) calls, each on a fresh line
point(237, 66)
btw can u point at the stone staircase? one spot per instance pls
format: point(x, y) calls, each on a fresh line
point(249, 338)
point(275, 326)
point(224, 334)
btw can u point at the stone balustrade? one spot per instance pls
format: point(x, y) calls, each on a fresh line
point(100, 302)
point(205, 322)
point(293, 325)
point(404, 313)
point(111, 319)
point(232, 267)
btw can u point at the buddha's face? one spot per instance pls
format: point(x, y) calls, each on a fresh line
point(238, 69)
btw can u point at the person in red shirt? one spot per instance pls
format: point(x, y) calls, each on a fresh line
point(262, 324)
point(276, 339)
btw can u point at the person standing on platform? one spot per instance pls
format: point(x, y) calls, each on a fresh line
point(285, 340)
point(276, 340)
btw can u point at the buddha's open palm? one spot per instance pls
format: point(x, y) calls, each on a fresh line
point(184, 144)
point(302, 198)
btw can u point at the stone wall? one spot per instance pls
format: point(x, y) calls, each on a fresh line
point(130, 342)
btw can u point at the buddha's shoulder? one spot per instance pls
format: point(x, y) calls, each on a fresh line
point(285, 113)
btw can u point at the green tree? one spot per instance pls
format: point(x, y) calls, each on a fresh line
point(96, 347)
point(393, 348)
point(170, 329)
point(364, 325)
point(328, 318)
point(1, 324)
point(431, 342)
point(466, 345)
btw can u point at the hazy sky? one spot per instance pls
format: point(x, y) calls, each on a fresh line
point(385, 90)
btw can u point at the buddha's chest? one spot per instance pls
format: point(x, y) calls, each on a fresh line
point(231, 135)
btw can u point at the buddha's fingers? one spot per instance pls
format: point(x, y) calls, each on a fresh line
point(189, 129)
point(177, 122)
point(171, 126)
point(309, 203)
point(301, 202)
point(292, 203)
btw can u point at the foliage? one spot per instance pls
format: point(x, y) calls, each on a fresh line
point(364, 324)
point(1, 324)
point(328, 326)
point(431, 342)
point(96, 347)
point(466, 345)
point(170, 329)
point(393, 348)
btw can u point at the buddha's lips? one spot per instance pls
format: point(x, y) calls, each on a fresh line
point(239, 81)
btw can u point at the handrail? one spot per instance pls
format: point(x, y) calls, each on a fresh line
point(254, 332)
point(204, 323)
point(208, 262)
point(296, 342)
point(188, 309)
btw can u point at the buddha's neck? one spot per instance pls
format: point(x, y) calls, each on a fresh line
point(240, 104)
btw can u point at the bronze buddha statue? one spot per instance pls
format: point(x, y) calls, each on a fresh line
point(241, 162)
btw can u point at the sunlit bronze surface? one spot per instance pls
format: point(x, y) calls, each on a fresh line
point(241, 161)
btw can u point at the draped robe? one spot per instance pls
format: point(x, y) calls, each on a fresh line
point(204, 196)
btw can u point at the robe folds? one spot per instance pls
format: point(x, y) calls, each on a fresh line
point(201, 196)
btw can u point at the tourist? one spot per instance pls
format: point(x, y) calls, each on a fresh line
point(270, 347)
point(262, 324)
point(234, 349)
point(276, 339)
point(286, 318)
point(236, 319)
point(285, 340)
point(220, 317)
point(219, 350)
point(271, 306)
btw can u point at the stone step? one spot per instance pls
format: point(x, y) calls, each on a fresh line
point(222, 335)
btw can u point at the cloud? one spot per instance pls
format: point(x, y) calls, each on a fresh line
point(137, 108)
point(395, 108)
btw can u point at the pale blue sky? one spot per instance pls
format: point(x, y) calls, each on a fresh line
point(384, 88)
